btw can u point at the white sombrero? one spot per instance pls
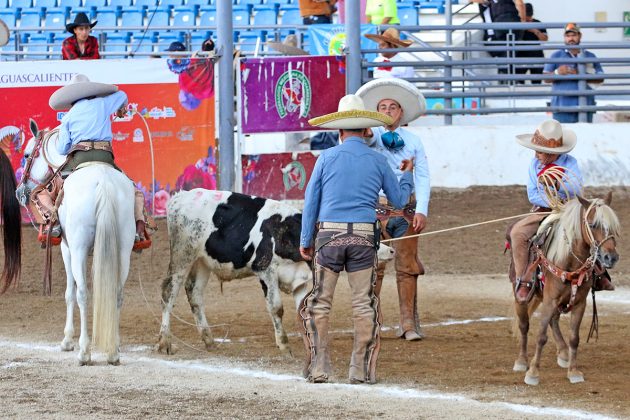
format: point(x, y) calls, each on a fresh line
point(4, 33)
point(79, 87)
point(407, 95)
point(288, 46)
point(351, 115)
point(550, 137)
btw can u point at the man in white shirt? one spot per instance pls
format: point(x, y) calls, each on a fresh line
point(390, 38)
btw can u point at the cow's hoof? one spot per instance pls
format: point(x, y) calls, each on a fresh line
point(563, 363)
point(532, 380)
point(165, 346)
point(85, 362)
point(520, 366)
point(286, 351)
point(575, 377)
point(67, 345)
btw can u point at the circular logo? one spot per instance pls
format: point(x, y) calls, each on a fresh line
point(293, 94)
point(337, 44)
point(294, 175)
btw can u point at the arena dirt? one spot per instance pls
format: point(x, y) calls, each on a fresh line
point(465, 280)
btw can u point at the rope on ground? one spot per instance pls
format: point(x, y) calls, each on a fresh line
point(459, 227)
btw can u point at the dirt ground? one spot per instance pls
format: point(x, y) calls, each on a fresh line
point(462, 369)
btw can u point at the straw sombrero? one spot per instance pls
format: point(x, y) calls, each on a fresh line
point(550, 137)
point(351, 115)
point(4, 33)
point(288, 46)
point(407, 95)
point(390, 35)
point(79, 87)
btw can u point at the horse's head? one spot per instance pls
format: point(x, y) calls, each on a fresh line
point(600, 229)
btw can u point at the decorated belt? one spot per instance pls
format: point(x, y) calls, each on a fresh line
point(87, 145)
point(350, 227)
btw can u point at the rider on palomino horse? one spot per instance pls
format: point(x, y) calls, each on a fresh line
point(85, 135)
point(552, 143)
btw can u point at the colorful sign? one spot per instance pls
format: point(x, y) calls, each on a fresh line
point(281, 176)
point(626, 30)
point(331, 39)
point(280, 94)
point(175, 99)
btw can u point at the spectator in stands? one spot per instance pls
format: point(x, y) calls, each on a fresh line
point(572, 36)
point(207, 50)
point(382, 12)
point(390, 38)
point(532, 35)
point(289, 46)
point(317, 11)
point(81, 45)
point(341, 8)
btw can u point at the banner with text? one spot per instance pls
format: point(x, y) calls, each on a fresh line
point(280, 94)
point(175, 97)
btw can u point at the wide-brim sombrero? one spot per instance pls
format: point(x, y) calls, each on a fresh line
point(4, 34)
point(550, 137)
point(79, 87)
point(351, 115)
point(406, 94)
point(288, 47)
point(390, 35)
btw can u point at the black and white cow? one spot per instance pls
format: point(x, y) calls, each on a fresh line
point(229, 235)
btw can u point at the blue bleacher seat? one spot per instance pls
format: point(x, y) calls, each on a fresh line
point(9, 16)
point(107, 17)
point(116, 42)
point(247, 41)
point(208, 16)
point(70, 3)
point(94, 3)
point(170, 3)
point(240, 16)
point(10, 46)
point(119, 3)
point(146, 3)
point(56, 18)
point(31, 18)
point(198, 3)
point(4, 4)
point(143, 43)
point(165, 39)
point(48, 4)
point(158, 17)
point(281, 2)
point(21, 4)
point(408, 15)
point(39, 43)
point(290, 15)
point(265, 15)
point(184, 17)
point(252, 2)
point(88, 11)
point(131, 16)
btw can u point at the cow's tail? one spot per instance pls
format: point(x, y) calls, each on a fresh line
point(106, 269)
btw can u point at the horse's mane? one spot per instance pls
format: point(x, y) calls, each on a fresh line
point(566, 227)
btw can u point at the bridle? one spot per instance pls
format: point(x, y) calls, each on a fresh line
point(41, 142)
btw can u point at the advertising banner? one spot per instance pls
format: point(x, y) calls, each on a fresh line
point(331, 39)
point(175, 97)
point(280, 94)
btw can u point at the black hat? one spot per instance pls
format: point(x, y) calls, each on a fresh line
point(80, 19)
point(176, 46)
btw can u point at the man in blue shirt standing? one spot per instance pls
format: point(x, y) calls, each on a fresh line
point(339, 201)
point(402, 101)
point(572, 36)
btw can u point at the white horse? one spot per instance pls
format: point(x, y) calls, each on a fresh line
point(96, 215)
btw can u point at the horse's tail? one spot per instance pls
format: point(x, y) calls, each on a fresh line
point(11, 220)
point(106, 270)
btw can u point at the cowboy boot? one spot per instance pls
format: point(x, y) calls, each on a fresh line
point(407, 285)
point(366, 327)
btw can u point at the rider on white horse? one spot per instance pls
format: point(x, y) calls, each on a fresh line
point(85, 135)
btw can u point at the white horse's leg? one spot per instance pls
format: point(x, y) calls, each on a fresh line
point(79, 265)
point(274, 306)
point(67, 344)
point(195, 285)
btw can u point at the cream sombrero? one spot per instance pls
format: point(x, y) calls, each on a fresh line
point(390, 35)
point(351, 115)
point(4, 33)
point(79, 87)
point(288, 46)
point(550, 137)
point(407, 95)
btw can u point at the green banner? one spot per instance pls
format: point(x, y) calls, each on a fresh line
point(626, 18)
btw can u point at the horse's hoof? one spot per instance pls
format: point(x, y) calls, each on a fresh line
point(114, 362)
point(575, 378)
point(67, 345)
point(87, 362)
point(519, 366)
point(563, 363)
point(532, 380)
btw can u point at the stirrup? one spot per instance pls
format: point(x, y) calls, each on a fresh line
point(520, 286)
point(55, 238)
point(139, 244)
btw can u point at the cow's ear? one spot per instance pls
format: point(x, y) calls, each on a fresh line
point(33, 127)
point(608, 198)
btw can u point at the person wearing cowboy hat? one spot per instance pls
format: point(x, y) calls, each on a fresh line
point(551, 144)
point(402, 101)
point(339, 199)
point(81, 45)
point(572, 37)
point(390, 38)
point(85, 135)
point(4, 33)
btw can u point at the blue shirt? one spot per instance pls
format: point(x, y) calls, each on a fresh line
point(344, 187)
point(89, 119)
point(569, 85)
point(536, 194)
point(413, 148)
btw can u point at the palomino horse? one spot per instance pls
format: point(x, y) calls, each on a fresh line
point(10, 220)
point(581, 241)
point(96, 215)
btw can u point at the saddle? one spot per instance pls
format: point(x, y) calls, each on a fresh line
point(385, 211)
